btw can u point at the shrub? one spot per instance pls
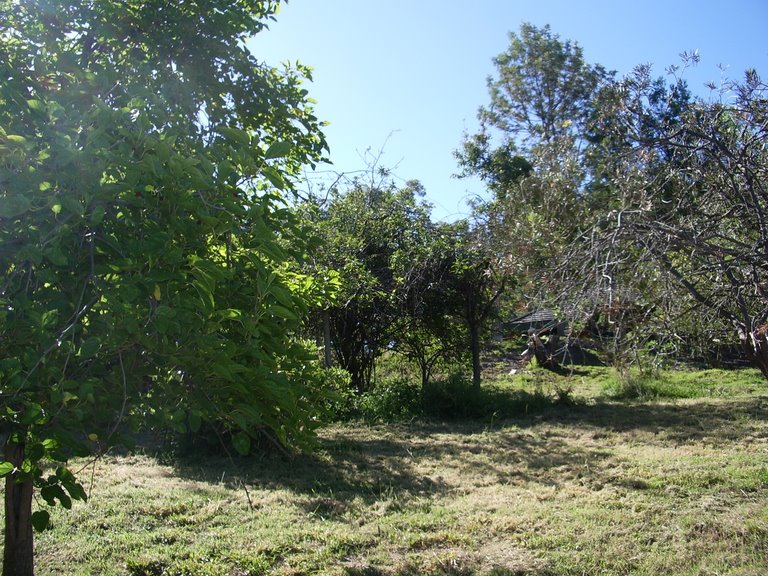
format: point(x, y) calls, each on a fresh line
point(457, 398)
point(390, 399)
point(642, 385)
point(339, 397)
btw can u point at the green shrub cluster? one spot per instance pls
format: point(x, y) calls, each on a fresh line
point(391, 399)
point(451, 398)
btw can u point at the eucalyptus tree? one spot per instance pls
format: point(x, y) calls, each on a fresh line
point(148, 260)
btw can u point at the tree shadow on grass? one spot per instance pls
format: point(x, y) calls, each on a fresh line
point(411, 460)
point(680, 421)
point(360, 471)
point(401, 462)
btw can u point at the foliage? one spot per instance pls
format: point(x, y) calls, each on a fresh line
point(456, 398)
point(338, 403)
point(635, 208)
point(433, 331)
point(391, 399)
point(691, 202)
point(529, 150)
point(478, 278)
point(148, 260)
point(393, 264)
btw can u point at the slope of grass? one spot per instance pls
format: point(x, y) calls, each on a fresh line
point(600, 487)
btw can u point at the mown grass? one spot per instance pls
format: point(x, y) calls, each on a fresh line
point(597, 486)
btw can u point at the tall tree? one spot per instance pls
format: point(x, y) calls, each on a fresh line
point(530, 148)
point(691, 198)
point(543, 89)
point(147, 256)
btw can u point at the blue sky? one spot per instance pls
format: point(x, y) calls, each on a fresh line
point(406, 77)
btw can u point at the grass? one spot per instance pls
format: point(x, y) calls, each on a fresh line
point(601, 486)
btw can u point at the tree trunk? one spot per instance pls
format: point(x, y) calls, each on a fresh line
point(18, 550)
point(544, 353)
point(755, 345)
point(327, 339)
point(424, 367)
point(474, 344)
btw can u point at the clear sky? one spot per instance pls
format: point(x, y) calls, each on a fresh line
point(406, 77)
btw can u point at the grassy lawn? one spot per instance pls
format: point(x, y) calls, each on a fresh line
point(672, 486)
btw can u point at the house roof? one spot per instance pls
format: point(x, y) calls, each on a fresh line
point(543, 315)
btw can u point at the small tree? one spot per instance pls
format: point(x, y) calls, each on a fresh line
point(147, 257)
point(372, 232)
point(430, 328)
point(478, 278)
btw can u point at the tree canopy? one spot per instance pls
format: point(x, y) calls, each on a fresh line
point(148, 260)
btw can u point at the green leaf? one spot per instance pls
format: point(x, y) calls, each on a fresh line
point(16, 139)
point(236, 134)
point(283, 312)
point(76, 491)
point(97, 215)
point(242, 443)
point(64, 474)
point(274, 177)
point(6, 468)
point(56, 256)
point(33, 414)
point(278, 149)
point(13, 206)
point(35, 452)
point(90, 347)
point(231, 314)
point(240, 419)
point(195, 421)
point(282, 295)
point(41, 520)
point(72, 205)
point(55, 492)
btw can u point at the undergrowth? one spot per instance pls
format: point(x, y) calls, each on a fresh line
point(678, 384)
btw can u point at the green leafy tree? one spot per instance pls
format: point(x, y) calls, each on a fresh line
point(148, 261)
point(372, 233)
point(431, 330)
point(479, 278)
point(530, 153)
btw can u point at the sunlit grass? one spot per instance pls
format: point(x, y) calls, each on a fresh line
point(598, 486)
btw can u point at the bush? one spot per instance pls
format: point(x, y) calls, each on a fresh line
point(457, 398)
point(339, 397)
point(453, 398)
point(390, 399)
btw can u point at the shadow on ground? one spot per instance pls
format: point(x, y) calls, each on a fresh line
point(682, 421)
point(409, 460)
